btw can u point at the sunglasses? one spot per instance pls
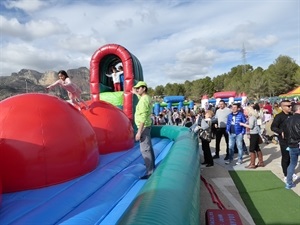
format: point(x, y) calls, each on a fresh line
point(290, 106)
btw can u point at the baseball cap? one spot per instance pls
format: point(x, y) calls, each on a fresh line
point(140, 83)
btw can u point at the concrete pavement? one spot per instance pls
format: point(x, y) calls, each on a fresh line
point(218, 176)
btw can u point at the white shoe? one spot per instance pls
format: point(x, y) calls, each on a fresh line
point(295, 177)
point(239, 162)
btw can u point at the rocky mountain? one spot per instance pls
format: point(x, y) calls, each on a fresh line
point(28, 81)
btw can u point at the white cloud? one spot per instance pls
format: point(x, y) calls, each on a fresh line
point(31, 30)
point(29, 57)
point(24, 55)
point(80, 43)
point(26, 5)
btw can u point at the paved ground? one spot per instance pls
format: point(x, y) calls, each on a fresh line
point(224, 187)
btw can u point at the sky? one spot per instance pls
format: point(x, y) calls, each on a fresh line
point(174, 40)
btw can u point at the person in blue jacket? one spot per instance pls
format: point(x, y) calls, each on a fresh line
point(235, 133)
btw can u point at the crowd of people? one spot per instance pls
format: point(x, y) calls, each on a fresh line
point(261, 122)
point(176, 117)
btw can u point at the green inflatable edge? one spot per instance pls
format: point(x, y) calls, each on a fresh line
point(172, 194)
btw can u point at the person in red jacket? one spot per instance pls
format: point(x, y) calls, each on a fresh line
point(268, 107)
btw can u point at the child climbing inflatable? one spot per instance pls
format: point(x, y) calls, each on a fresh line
point(73, 90)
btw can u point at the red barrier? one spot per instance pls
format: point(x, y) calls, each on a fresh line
point(224, 94)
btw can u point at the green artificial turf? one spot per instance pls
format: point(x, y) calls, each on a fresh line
point(266, 198)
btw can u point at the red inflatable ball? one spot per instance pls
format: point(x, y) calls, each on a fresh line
point(113, 129)
point(44, 141)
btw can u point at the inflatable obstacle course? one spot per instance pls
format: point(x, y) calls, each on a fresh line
point(86, 162)
point(171, 195)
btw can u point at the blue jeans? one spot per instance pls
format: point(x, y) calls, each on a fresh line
point(294, 154)
point(238, 140)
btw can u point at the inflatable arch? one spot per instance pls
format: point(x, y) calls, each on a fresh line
point(110, 55)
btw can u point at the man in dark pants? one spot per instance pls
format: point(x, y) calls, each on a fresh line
point(142, 119)
point(277, 126)
point(292, 135)
point(221, 116)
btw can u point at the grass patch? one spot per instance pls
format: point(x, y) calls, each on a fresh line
point(266, 198)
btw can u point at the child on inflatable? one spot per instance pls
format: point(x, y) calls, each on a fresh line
point(73, 90)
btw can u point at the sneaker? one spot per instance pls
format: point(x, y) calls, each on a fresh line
point(239, 162)
point(295, 177)
point(226, 157)
point(228, 162)
point(209, 165)
point(216, 156)
point(289, 186)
